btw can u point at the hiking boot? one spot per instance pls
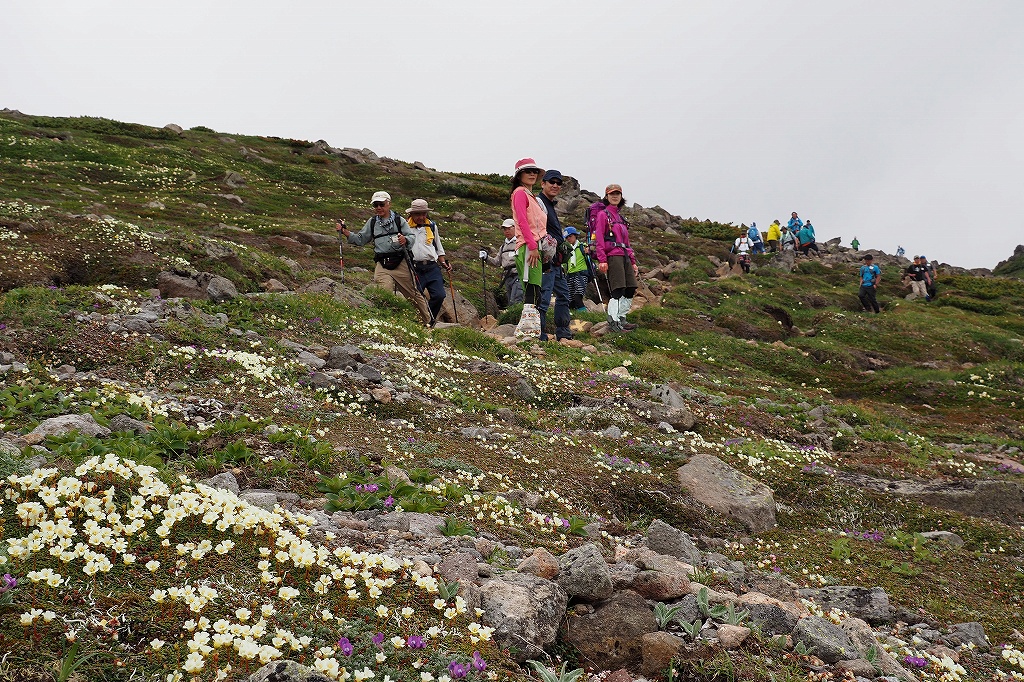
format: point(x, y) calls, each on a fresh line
point(628, 326)
point(613, 325)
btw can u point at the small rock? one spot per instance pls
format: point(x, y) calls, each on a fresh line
point(732, 636)
point(541, 564)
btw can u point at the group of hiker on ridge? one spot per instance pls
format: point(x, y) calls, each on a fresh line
point(541, 260)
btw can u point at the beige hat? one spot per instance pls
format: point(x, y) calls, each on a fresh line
point(508, 222)
point(612, 188)
point(380, 196)
point(418, 206)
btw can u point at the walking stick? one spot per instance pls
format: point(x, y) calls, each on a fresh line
point(340, 225)
point(451, 287)
point(483, 280)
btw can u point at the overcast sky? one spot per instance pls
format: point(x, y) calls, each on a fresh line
point(897, 122)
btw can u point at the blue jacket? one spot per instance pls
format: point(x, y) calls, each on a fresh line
point(869, 274)
point(805, 235)
point(795, 224)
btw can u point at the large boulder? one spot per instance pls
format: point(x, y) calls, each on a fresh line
point(664, 539)
point(583, 573)
point(773, 616)
point(729, 492)
point(525, 612)
point(218, 289)
point(65, 424)
point(173, 285)
point(870, 604)
point(828, 640)
point(612, 636)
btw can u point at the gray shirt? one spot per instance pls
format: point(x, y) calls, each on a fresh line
point(382, 233)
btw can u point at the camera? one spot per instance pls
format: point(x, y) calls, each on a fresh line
point(394, 238)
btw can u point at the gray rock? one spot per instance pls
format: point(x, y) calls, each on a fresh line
point(9, 449)
point(172, 285)
point(773, 620)
point(664, 539)
point(524, 390)
point(310, 360)
point(967, 633)
point(424, 525)
point(946, 536)
point(460, 567)
point(218, 289)
point(830, 643)
point(583, 573)
point(870, 604)
point(613, 432)
point(371, 373)
point(397, 521)
point(667, 395)
point(729, 492)
point(286, 671)
point(864, 639)
point(344, 357)
point(174, 128)
point(122, 422)
point(611, 637)
point(65, 424)
point(224, 481)
point(525, 612)
point(263, 499)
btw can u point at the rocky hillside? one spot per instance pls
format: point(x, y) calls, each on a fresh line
point(223, 456)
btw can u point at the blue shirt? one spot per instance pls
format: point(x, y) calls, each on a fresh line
point(868, 274)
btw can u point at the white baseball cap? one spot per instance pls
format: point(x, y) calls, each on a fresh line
point(508, 223)
point(380, 196)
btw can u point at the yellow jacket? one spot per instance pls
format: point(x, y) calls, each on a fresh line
point(774, 231)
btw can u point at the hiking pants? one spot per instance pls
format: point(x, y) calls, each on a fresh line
point(804, 248)
point(431, 280)
point(919, 288)
point(400, 281)
point(554, 281)
point(577, 282)
point(867, 298)
point(513, 287)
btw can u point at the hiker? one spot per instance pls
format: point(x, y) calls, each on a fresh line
point(756, 245)
point(531, 229)
point(806, 238)
point(553, 278)
point(855, 245)
point(577, 265)
point(774, 234)
point(613, 251)
point(870, 276)
point(505, 259)
point(932, 289)
point(917, 273)
point(741, 247)
point(428, 257)
point(795, 223)
point(900, 252)
point(787, 241)
point(391, 237)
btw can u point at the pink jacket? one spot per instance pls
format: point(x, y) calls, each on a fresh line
point(620, 230)
point(531, 218)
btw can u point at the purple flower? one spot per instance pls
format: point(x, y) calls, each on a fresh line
point(7, 582)
point(389, 501)
point(345, 646)
point(458, 670)
point(378, 638)
point(478, 662)
point(415, 642)
point(915, 661)
point(565, 523)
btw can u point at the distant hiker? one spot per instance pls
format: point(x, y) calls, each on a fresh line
point(795, 223)
point(505, 258)
point(917, 273)
point(932, 288)
point(615, 258)
point(870, 276)
point(756, 243)
point(428, 257)
point(741, 247)
point(577, 265)
point(900, 252)
point(787, 240)
point(806, 238)
point(553, 279)
point(774, 234)
point(391, 236)
point(855, 245)
point(531, 229)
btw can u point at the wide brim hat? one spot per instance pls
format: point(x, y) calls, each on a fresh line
point(527, 164)
point(418, 206)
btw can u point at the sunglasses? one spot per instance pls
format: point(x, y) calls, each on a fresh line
point(379, 204)
point(555, 182)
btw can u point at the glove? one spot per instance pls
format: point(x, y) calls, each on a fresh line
point(483, 255)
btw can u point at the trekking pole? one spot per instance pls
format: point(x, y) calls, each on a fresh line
point(483, 280)
point(451, 287)
point(340, 225)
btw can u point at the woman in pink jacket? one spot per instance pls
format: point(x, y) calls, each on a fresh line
point(615, 258)
point(531, 228)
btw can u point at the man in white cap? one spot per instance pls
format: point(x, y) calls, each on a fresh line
point(428, 256)
point(391, 236)
point(506, 260)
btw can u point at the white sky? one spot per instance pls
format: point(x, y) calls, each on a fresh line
point(900, 122)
